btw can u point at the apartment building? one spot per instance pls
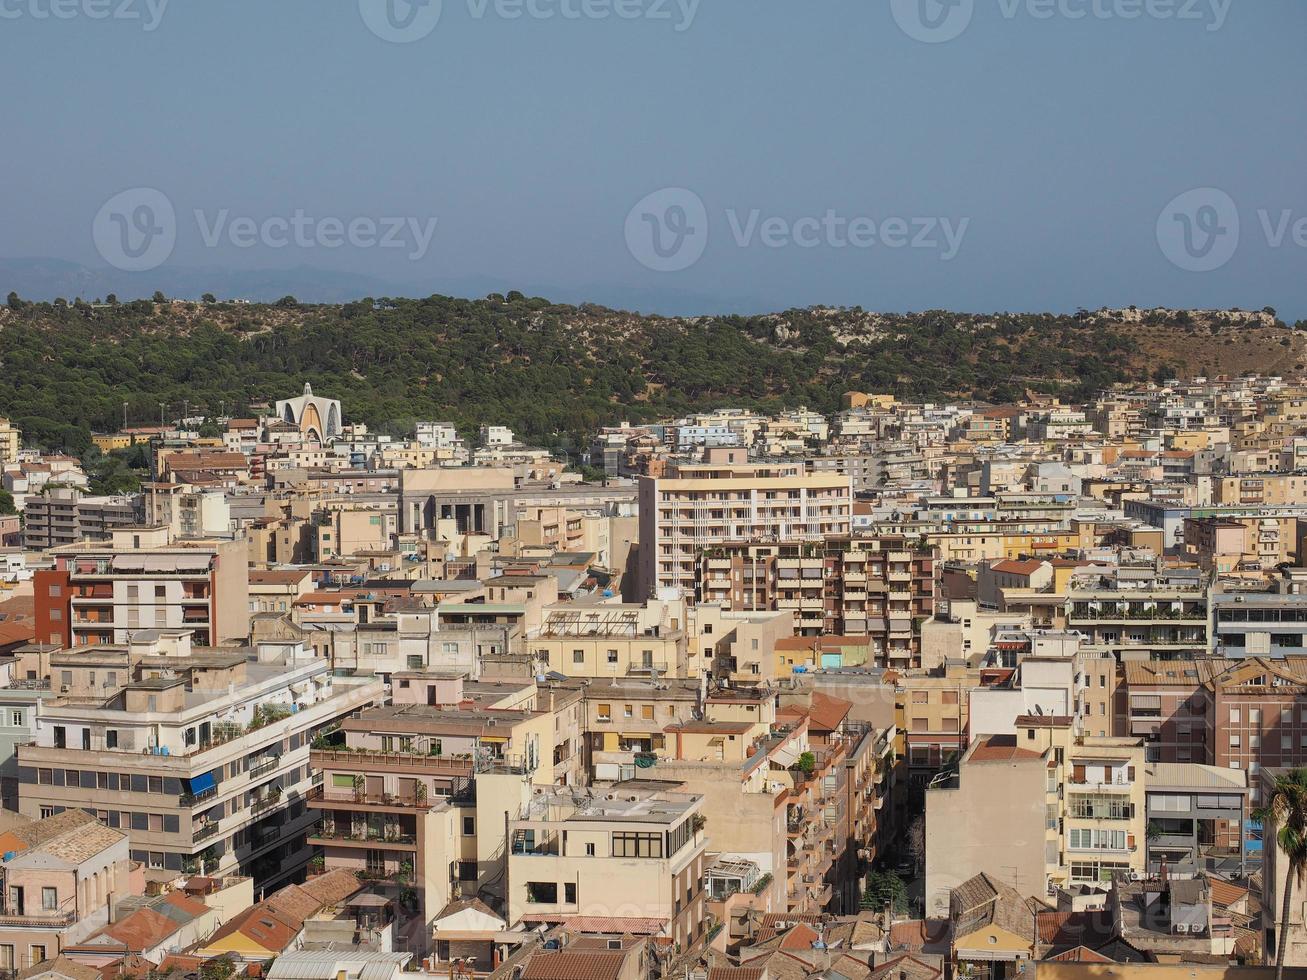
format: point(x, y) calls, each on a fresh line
point(63, 516)
point(1195, 813)
point(1167, 704)
point(879, 586)
point(614, 640)
point(625, 722)
point(416, 796)
point(630, 852)
point(141, 581)
point(11, 440)
point(1259, 716)
point(1140, 611)
point(201, 756)
point(737, 648)
point(187, 511)
point(62, 876)
point(726, 499)
point(1258, 622)
point(932, 716)
point(1094, 801)
point(960, 838)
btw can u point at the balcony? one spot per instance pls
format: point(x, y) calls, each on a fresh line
point(266, 764)
point(369, 760)
point(50, 920)
point(370, 837)
point(205, 831)
point(348, 799)
point(194, 799)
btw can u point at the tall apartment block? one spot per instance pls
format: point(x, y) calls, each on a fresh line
point(103, 594)
point(724, 499)
point(880, 587)
point(65, 515)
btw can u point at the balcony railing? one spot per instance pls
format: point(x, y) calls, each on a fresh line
point(53, 920)
point(205, 831)
point(369, 836)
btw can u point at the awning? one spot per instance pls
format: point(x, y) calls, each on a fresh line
point(494, 739)
point(202, 783)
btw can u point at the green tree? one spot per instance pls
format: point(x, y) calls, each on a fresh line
point(7, 502)
point(1286, 810)
point(209, 298)
point(884, 888)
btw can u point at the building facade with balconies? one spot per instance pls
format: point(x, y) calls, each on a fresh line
point(200, 756)
point(104, 594)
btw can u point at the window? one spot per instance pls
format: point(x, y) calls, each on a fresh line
point(590, 849)
point(612, 656)
point(627, 712)
point(542, 893)
point(637, 845)
point(605, 712)
point(469, 826)
point(342, 780)
point(156, 859)
point(16, 719)
point(578, 656)
point(1234, 716)
point(49, 899)
point(569, 892)
point(647, 712)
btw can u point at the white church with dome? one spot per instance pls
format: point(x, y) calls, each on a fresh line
point(318, 419)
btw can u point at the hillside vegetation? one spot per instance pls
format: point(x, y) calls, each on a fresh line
point(556, 372)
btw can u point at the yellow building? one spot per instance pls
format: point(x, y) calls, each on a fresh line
point(10, 441)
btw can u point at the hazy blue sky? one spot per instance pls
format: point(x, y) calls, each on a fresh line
point(1048, 143)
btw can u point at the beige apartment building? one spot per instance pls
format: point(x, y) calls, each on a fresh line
point(140, 581)
point(417, 797)
point(613, 640)
point(200, 756)
point(10, 441)
point(738, 647)
point(628, 853)
point(725, 499)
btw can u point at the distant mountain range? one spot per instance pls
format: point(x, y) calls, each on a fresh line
point(45, 280)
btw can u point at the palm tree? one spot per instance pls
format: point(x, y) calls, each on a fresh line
point(1286, 809)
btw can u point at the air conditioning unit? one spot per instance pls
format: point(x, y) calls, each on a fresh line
point(1182, 927)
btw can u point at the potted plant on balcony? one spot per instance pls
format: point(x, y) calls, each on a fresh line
point(360, 784)
point(317, 864)
point(420, 794)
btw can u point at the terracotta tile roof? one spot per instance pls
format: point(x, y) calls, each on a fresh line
point(1226, 893)
point(141, 930)
point(828, 713)
point(736, 973)
point(61, 966)
point(575, 966)
point(1010, 566)
point(906, 964)
point(331, 888)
